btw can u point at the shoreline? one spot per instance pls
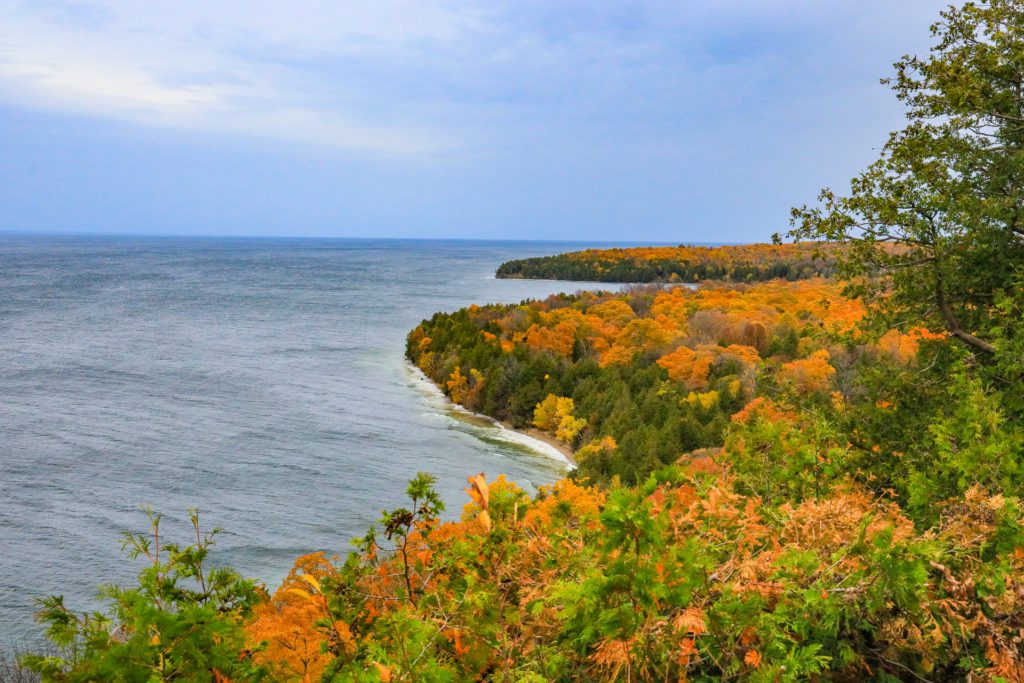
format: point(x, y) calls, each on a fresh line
point(533, 433)
point(534, 439)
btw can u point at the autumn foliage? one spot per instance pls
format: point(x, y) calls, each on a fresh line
point(684, 263)
point(685, 577)
point(554, 415)
point(281, 626)
point(658, 370)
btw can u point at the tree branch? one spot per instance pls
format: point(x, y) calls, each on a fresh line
point(953, 325)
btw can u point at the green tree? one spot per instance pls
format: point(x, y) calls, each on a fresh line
point(399, 525)
point(934, 230)
point(182, 622)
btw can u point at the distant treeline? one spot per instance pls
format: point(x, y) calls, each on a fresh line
point(740, 263)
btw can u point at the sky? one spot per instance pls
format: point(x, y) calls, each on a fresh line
point(654, 120)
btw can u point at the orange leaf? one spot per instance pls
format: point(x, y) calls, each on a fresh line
point(385, 672)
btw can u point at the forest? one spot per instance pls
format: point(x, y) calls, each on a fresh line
point(803, 478)
point(738, 263)
point(632, 381)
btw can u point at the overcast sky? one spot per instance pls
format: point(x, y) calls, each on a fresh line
point(685, 120)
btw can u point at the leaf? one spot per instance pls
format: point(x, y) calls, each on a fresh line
point(385, 672)
point(311, 580)
point(480, 493)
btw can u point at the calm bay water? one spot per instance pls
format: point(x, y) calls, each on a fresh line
point(262, 381)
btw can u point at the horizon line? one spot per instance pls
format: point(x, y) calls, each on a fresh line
point(359, 238)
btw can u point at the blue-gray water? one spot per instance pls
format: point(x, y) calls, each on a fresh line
point(260, 380)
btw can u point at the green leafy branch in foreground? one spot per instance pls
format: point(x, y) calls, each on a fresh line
point(182, 621)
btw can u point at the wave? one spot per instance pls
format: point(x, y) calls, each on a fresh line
point(502, 432)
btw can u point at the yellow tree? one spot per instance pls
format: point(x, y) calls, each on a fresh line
point(554, 415)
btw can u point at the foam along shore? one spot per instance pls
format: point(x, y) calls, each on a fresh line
point(532, 439)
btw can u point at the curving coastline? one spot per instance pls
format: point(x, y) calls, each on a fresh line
point(533, 439)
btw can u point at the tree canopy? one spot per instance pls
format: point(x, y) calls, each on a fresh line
point(933, 231)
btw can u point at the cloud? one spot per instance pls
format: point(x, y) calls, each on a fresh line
point(429, 77)
point(218, 67)
point(659, 119)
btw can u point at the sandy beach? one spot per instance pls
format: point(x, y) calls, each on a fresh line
point(534, 439)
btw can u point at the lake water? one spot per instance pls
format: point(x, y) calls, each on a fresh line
point(262, 381)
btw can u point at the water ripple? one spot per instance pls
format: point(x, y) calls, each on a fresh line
point(260, 380)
